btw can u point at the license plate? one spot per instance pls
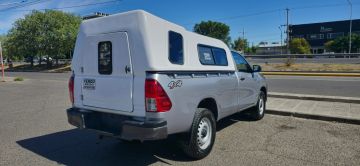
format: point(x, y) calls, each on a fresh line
point(89, 84)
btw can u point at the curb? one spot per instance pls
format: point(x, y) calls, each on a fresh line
point(313, 74)
point(315, 117)
point(7, 79)
point(315, 97)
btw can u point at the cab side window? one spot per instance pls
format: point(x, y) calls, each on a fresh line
point(209, 55)
point(241, 63)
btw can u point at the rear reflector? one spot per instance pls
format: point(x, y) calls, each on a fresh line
point(156, 99)
point(71, 89)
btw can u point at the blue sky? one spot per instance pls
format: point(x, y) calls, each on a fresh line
point(259, 18)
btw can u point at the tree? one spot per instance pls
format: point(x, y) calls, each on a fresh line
point(214, 29)
point(240, 44)
point(2, 41)
point(299, 46)
point(341, 44)
point(50, 33)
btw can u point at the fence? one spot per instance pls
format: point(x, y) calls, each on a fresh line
point(337, 55)
point(310, 62)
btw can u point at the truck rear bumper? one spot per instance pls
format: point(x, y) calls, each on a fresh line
point(119, 126)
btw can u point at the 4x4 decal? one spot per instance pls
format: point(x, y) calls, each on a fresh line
point(174, 84)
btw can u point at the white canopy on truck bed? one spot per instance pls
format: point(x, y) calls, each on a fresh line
point(148, 38)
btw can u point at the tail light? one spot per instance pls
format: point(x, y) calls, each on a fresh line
point(71, 88)
point(156, 99)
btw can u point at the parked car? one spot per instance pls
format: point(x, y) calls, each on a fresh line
point(143, 78)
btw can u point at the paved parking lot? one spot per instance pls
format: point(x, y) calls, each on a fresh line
point(34, 131)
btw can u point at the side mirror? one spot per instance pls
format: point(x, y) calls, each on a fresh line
point(256, 68)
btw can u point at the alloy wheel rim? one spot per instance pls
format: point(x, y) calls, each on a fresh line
point(261, 105)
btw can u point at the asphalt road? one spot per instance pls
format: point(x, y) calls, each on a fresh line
point(328, 86)
point(333, 86)
point(34, 131)
point(308, 60)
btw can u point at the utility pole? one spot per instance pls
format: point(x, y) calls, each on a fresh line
point(281, 41)
point(350, 25)
point(287, 31)
point(2, 64)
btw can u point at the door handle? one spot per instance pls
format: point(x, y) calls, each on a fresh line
point(127, 69)
point(242, 79)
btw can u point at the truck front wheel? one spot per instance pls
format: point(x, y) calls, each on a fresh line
point(258, 111)
point(198, 143)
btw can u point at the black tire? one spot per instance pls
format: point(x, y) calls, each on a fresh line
point(258, 112)
point(193, 143)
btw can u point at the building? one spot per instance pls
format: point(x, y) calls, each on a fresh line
point(94, 15)
point(317, 34)
point(265, 48)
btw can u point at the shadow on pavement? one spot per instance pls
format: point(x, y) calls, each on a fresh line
point(239, 117)
point(82, 147)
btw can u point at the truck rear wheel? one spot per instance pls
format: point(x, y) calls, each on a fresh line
point(198, 143)
point(258, 111)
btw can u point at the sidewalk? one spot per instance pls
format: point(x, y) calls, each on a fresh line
point(323, 110)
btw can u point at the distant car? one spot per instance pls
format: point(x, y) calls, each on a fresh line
point(45, 59)
point(28, 59)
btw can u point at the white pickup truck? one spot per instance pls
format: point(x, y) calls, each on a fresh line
point(136, 76)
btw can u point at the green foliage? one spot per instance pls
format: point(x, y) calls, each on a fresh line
point(251, 50)
point(214, 29)
point(3, 40)
point(240, 44)
point(50, 33)
point(299, 46)
point(341, 44)
point(18, 79)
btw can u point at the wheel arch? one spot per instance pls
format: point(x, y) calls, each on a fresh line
point(263, 89)
point(210, 103)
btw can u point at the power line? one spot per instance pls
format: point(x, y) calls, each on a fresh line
point(75, 6)
point(12, 3)
point(320, 6)
point(23, 4)
point(273, 11)
point(245, 15)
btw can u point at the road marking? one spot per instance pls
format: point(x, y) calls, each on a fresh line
point(315, 79)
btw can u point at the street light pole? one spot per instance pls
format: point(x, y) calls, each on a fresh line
point(350, 25)
point(2, 65)
point(281, 41)
point(287, 31)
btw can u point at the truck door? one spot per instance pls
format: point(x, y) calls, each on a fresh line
point(107, 78)
point(247, 84)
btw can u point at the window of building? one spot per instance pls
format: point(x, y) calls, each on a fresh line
point(212, 56)
point(105, 58)
point(176, 49)
point(335, 35)
point(315, 36)
point(297, 36)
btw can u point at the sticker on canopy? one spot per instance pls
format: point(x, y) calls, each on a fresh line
point(89, 84)
point(207, 56)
